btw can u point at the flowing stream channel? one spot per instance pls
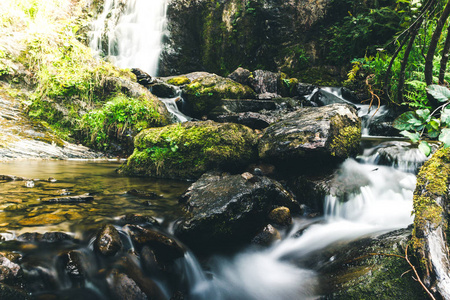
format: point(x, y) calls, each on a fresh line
point(380, 201)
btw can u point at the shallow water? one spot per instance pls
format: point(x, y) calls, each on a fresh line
point(22, 208)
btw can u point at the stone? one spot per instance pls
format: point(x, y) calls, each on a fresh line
point(9, 271)
point(48, 237)
point(70, 199)
point(265, 83)
point(164, 247)
point(240, 75)
point(267, 236)
point(249, 119)
point(137, 219)
point(142, 77)
point(280, 216)
point(163, 90)
point(239, 209)
point(187, 150)
point(205, 93)
point(108, 241)
point(312, 136)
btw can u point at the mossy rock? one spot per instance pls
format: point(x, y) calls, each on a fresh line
point(178, 80)
point(370, 268)
point(186, 151)
point(312, 137)
point(205, 93)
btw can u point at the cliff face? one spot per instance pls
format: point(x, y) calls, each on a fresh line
point(219, 36)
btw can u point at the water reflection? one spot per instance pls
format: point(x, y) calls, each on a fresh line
point(23, 208)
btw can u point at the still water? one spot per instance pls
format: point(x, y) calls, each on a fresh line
point(23, 209)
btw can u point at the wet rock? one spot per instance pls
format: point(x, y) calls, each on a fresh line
point(144, 194)
point(310, 191)
point(108, 241)
point(187, 150)
point(149, 260)
point(242, 105)
point(142, 77)
point(240, 75)
point(12, 178)
point(9, 271)
point(164, 247)
point(70, 199)
point(128, 278)
point(281, 216)
point(354, 271)
point(239, 209)
point(137, 219)
point(73, 265)
point(164, 90)
point(266, 236)
point(312, 137)
point(327, 96)
point(123, 287)
point(48, 237)
point(177, 296)
point(205, 93)
point(249, 119)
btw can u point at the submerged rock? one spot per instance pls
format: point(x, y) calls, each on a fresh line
point(186, 151)
point(70, 199)
point(224, 210)
point(312, 137)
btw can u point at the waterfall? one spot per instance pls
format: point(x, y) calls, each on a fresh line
point(129, 33)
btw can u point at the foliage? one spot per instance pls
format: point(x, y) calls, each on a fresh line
point(422, 122)
point(117, 119)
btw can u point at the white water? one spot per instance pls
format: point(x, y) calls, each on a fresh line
point(131, 33)
point(381, 204)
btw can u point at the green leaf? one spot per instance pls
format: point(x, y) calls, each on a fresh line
point(402, 122)
point(425, 148)
point(440, 93)
point(445, 137)
point(424, 114)
point(445, 116)
point(413, 136)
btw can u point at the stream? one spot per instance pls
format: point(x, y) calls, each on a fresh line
point(380, 201)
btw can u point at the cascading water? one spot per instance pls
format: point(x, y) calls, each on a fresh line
point(129, 33)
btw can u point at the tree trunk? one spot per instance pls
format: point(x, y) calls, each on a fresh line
point(433, 44)
point(444, 58)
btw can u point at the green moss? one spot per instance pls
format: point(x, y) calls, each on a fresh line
point(346, 142)
point(188, 150)
point(179, 80)
point(432, 183)
point(205, 93)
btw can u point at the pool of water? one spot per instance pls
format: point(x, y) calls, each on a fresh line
point(23, 208)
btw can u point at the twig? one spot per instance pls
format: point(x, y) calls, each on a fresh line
point(417, 275)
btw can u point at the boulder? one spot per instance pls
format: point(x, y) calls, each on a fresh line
point(186, 151)
point(241, 75)
point(9, 271)
point(370, 268)
point(224, 210)
point(312, 136)
point(142, 77)
point(205, 93)
point(108, 241)
point(265, 84)
point(163, 90)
